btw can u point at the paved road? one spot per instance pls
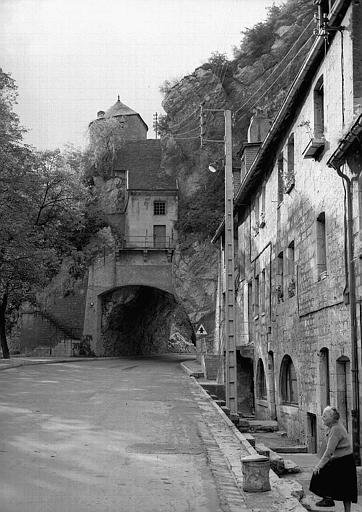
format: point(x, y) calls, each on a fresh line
point(121, 435)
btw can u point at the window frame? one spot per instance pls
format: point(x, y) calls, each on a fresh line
point(159, 205)
point(288, 382)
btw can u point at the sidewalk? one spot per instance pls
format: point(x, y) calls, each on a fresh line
point(15, 361)
point(234, 446)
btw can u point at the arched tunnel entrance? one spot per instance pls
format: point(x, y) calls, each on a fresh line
point(141, 320)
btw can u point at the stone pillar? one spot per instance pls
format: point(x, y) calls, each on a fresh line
point(256, 473)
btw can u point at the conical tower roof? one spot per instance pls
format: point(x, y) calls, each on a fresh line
point(120, 109)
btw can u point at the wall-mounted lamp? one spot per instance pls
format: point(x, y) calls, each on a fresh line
point(91, 304)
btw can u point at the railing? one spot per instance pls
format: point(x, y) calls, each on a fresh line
point(146, 242)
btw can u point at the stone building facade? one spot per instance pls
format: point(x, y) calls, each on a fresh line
point(297, 306)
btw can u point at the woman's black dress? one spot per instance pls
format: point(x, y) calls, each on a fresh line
point(336, 480)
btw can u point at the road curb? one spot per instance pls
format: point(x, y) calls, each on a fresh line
point(13, 363)
point(287, 490)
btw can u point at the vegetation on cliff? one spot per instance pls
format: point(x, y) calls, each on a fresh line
point(264, 65)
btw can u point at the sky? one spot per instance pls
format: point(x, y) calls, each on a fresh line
point(71, 58)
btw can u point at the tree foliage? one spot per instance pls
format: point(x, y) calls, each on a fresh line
point(44, 214)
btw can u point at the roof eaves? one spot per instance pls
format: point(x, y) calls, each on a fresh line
point(353, 133)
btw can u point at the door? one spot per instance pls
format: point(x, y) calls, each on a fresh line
point(159, 236)
point(312, 432)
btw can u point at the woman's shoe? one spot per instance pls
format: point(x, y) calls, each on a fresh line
point(325, 502)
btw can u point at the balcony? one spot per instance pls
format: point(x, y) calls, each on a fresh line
point(146, 243)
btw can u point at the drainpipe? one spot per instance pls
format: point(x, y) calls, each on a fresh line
point(353, 319)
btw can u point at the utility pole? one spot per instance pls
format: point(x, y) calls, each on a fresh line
point(231, 365)
point(229, 305)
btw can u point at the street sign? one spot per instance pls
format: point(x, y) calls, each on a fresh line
point(201, 330)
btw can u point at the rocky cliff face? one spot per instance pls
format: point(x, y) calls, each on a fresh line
point(258, 77)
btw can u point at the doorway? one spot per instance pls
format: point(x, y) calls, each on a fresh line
point(312, 432)
point(343, 377)
point(159, 237)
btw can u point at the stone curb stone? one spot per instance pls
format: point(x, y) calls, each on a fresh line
point(290, 492)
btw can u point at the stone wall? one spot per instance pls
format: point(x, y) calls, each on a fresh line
point(292, 306)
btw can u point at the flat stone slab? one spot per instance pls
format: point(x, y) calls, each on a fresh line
point(263, 426)
point(291, 449)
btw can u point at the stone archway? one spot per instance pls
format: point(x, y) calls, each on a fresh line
point(140, 320)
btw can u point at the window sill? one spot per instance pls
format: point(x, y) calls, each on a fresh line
point(314, 147)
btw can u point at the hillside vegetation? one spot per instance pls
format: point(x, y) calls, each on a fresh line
point(265, 62)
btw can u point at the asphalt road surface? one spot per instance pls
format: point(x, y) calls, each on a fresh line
point(103, 436)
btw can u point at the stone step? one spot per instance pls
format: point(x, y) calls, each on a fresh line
point(249, 438)
point(243, 425)
point(291, 449)
point(291, 467)
point(262, 449)
point(214, 397)
point(220, 403)
point(263, 425)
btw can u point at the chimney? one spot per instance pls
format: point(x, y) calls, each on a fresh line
point(259, 127)
point(100, 114)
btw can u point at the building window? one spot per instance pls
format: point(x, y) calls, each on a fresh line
point(250, 308)
point(321, 246)
point(288, 382)
point(280, 275)
point(280, 178)
point(319, 109)
point(289, 179)
point(262, 208)
point(262, 291)
point(159, 208)
point(324, 378)
point(261, 391)
point(256, 296)
point(291, 270)
point(256, 212)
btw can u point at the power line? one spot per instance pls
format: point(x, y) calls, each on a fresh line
point(275, 81)
point(278, 65)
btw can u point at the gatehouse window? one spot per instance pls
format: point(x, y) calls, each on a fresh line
point(288, 382)
point(261, 391)
point(159, 208)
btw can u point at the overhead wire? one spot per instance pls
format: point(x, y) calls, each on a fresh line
point(275, 81)
point(278, 66)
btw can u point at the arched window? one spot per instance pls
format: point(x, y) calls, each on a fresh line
point(261, 381)
point(288, 382)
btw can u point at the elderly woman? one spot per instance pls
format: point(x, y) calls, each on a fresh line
point(334, 477)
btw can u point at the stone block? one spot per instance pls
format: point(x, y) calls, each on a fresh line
point(276, 463)
point(291, 449)
point(250, 439)
point(262, 449)
point(290, 466)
